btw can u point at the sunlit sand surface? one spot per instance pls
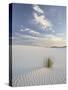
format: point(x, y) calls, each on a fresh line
point(43, 76)
point(28, 66)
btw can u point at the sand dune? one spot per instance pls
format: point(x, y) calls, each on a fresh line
point(41, 77)
point(29, 67)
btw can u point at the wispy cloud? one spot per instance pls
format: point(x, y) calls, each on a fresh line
point(48, 42)
point(41, 38)
point(29, 37)
point(34, 33)
point(25, 36)
point(41, 19)
point(23, 30)
point(54, 38)
point(45, 40)
point(38, 9)
point(30, 31)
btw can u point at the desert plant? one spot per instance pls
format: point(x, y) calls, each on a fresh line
point(50, 63)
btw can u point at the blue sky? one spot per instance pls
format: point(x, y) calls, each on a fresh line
point(39, 25)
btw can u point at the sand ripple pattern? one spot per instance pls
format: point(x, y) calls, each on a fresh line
point(43, 76)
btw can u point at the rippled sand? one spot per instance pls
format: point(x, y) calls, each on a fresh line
point(41, 76)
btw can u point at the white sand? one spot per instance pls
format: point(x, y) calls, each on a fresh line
point(41, 76)
point(28, 65)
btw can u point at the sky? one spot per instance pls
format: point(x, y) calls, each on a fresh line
point(38, 25)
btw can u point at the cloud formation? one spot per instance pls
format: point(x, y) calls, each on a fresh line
point(34, 33)
point(38, 9)
point(38, 27)
point(45, 40)
point(41, 19)
point(25, 37)
point(30, 31)
point(29, 35)
point(23, 30)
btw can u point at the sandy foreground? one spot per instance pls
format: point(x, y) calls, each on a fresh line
point(42, 76)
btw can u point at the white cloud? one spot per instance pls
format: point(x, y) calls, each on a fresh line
point(19, 35)
point(57, 39)
point(23, 30)
point(30, 31)
point(47, 40)
point(27, 29)
point(33, 32)
point(54, 38)
point(51, 40)
point(38, 9)
point(42, 21)
point(29, 37)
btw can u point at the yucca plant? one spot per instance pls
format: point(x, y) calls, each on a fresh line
point(50, 63)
